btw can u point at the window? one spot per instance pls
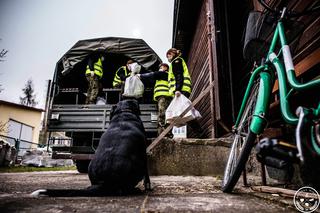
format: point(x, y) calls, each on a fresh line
point(22, 132)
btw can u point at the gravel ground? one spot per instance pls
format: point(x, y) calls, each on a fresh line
point(170, 194)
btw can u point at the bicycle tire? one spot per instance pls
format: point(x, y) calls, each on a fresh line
point(309, 169)
point(234, 166)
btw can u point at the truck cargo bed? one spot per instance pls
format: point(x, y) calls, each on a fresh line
point(77, 118)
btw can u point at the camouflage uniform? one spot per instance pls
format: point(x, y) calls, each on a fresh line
point(93, 89)
point(163, 103)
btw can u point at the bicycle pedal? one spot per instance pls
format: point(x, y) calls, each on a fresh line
point(278, 157)
point(277, 149)
point(284, 173)
point(276, 163)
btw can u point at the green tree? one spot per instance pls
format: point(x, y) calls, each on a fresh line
point(28, 97)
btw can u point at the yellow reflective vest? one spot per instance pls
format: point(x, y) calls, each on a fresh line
point(117, 80)
point(97, 68)
point(186, 78)
point(161, 88)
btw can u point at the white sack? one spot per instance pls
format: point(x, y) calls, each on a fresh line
point(133, 87)
point(176, 107)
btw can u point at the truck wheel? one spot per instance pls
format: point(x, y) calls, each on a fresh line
point(82, 166)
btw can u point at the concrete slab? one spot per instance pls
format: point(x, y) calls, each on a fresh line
point(189, 157)
point(170, 194)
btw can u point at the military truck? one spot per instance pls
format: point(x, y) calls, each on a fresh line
point(81, 124)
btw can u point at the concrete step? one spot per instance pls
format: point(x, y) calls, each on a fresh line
point(189, 157)
point(207, 157)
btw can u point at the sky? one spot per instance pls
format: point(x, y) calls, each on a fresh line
point(38, 32)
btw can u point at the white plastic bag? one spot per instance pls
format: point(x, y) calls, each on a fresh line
point(133, 87)
point(176, 107)
point(135, 68)
point(101, 101)
point(191, 115)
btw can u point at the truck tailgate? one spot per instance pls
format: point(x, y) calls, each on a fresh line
point(70, 118)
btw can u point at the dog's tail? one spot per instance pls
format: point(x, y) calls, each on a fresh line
point(93, 191)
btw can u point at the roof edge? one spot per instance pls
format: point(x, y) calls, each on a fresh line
point(2, 102)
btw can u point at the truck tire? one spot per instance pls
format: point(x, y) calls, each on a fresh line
point(82, 166)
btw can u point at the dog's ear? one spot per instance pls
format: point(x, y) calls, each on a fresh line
point(112, 111)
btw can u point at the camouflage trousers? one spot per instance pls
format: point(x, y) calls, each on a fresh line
point(163, 103)
point(93, 89)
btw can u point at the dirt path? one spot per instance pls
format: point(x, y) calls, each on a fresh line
point(170, 194)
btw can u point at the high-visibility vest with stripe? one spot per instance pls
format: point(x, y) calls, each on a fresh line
point(117, 80)
point(97, 68)
point(161, 88)
point(186, 78)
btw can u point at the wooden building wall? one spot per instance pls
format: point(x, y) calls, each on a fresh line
point(213, 46)
point(201, 70)
point(305, 47)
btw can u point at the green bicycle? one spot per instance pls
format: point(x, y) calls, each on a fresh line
point(252, 117)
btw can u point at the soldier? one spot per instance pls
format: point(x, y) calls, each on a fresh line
point(94, 73)
point(160, 93)
point(180, 83)
point(121, 74)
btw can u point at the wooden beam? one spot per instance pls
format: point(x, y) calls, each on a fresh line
point(310, 61)
point(303, 66)
point(166, 131)
point(282, 192)
point(211, 36)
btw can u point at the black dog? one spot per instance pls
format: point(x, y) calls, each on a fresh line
point(120, 161)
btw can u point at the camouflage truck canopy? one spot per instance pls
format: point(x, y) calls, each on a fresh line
point(136, 49)
point(70, 69)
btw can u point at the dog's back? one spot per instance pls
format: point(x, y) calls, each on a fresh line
point(120, 159)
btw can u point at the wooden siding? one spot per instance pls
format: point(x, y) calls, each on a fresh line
point(305, 47)
point(200, 71)
point(223, 63)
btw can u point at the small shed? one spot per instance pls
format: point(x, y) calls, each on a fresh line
point(20, 122)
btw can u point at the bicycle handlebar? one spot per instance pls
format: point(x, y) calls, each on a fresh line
point(289, 13)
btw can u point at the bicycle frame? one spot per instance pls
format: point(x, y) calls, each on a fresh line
point(257, 97)
point(285, 73)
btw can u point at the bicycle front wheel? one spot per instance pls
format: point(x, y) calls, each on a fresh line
point(242, 144)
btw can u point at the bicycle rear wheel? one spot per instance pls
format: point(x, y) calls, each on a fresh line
point(242, 144)
point(310, 170)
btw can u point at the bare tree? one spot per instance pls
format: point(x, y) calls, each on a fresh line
point(1, 88)
point(3, 128)
point(28, 97)
point(3, 54)
point(3, 125)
